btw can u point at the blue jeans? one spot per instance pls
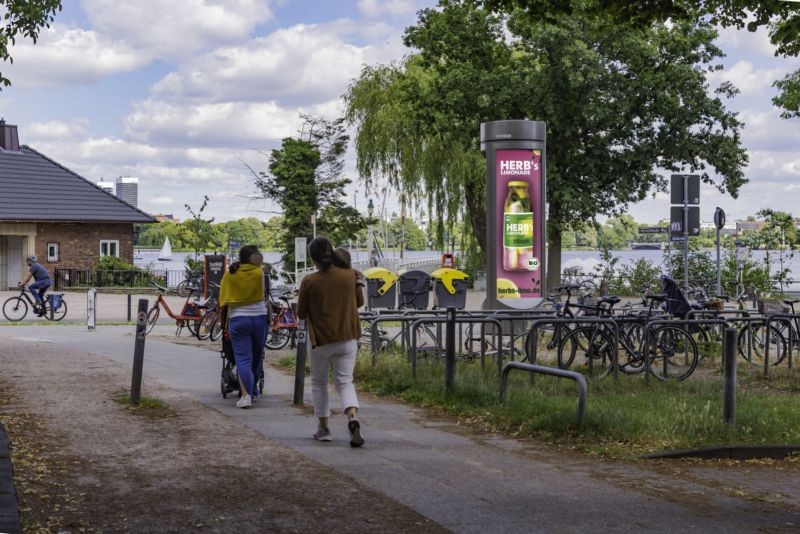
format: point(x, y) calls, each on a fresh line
point(248, 335)
point(38, 289)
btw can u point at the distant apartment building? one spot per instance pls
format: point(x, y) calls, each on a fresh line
point(165, 217)
point(108, 187)
point(128, 190)
point(749, 226)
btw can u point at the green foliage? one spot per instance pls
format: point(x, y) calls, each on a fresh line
point(407, 233)
point(618, 100)
point(23, 18)
point(200, 231)
point(634, 278)
point(304, 178)
point(112, 263)
point(702, 268)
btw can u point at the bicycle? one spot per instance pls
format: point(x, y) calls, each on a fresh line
point(192, 280)
point(283, 326)
point(190, 316)
point(16, 308)
point(672, 350)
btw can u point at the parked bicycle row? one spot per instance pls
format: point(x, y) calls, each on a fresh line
point(577, 330)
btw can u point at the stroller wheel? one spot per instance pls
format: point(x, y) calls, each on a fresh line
point(224, 388)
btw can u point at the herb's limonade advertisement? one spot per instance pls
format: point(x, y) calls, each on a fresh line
point(520, 228)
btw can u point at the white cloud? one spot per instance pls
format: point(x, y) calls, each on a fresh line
point(302, 63)
point(245, 124)
point(747, 78)
point(766, 131)
point(376, 8)
point(739, 41)
point(66, 56)
point(38, 131)
point(175, 28)
point(161, 201)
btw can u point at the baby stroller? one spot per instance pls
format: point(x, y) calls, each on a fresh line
point(676, 304)
point(230, 380)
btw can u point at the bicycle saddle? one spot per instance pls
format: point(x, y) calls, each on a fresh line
point(790, 302)
point(610, 300)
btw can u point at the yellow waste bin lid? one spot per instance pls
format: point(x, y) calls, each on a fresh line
point(447, 275)
point(385, 275)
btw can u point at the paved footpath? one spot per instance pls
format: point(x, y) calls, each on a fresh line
point(464, 482)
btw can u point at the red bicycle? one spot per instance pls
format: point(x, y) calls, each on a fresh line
point(190, 316)
point(283, 327)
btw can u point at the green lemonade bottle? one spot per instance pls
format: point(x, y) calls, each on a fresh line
point(517, 228)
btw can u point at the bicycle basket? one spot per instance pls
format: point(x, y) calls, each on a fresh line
point(716, 304)
point(770, 307)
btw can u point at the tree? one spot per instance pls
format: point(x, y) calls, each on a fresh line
point(247, 231)
point(201, 233)
point(619, 102)
point(23, 18)
point(305, 179)
point(782, 17)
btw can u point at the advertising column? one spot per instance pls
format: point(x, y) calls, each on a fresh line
point(515, 152)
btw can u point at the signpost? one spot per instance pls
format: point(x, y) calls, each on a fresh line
point(685, 221)
point(719, 222)
point(653, 230)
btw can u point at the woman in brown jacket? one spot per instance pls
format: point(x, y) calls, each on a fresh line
point(328, 301)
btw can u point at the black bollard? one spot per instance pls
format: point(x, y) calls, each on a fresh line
point(129, 307)
point(450, 351)
point(729, 355)
point(138, 352)
point(300, 363)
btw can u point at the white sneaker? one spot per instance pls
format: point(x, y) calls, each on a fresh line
point(245, 402)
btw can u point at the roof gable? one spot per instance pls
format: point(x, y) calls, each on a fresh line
point(35, 188)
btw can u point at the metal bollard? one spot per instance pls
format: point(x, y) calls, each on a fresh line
point(300, 363)
point(129, 307)
point(729, 355)
point(138, 352)
point(450, 351)
point(91, 309)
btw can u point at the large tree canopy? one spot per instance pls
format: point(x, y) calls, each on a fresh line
point(23, 18)
point(619, 101)
point(782, 17)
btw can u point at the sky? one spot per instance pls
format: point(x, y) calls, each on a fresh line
point(187, 94)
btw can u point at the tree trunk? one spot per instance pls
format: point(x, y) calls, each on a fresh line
point(476, 211)
point(553, 256)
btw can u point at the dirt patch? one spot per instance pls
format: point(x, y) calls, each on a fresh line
point(85, 463)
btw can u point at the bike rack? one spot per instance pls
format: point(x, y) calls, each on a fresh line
point(583, 391)
point(533, 337)
point(441, 320)
point(784, 318)
point(516, 315)
point(669, 322)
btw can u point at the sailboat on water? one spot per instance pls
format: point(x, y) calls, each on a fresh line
point(166, 251)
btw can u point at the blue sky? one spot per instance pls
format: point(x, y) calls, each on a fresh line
point(181, 93)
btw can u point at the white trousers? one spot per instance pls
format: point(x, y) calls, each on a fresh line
point(341, 357)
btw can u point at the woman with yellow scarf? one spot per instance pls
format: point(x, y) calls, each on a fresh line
point(242, 291)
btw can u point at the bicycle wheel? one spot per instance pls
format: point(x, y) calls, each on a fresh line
point(152, 318)
point(753, 340)
point(192, 326)
point(216, 328)
point(206, 324)
point(183, 288)
point(630, 349)
point(277, 338)
point(60, 313)
point(586, 347)
point(15, 309)
point(673, 353)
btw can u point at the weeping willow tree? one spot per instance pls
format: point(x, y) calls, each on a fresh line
point(620, 102)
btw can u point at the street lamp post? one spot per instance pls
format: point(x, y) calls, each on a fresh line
point(355, 207)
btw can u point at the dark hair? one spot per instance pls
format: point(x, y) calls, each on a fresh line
point(244, 257)
point(321, 252)
point(341, 257)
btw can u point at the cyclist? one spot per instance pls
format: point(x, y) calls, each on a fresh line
point(41, 282)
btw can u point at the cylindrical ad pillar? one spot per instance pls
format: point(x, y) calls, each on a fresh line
point(515, 213)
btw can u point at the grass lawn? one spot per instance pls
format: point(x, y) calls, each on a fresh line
point(624, 418)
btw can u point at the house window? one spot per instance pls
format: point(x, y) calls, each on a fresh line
point(52, 252)
point(109, 247)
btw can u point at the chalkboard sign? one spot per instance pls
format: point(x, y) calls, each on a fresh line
point(215, 265)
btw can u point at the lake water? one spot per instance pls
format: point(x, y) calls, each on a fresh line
point(586, 260)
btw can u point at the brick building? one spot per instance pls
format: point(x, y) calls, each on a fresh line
point(52, 212)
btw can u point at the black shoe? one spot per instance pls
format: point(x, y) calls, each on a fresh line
point(356, 440)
